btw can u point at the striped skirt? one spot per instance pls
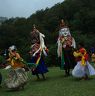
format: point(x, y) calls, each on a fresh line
point(16, 78)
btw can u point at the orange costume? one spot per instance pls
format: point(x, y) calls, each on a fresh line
point(15, 60)
point(17, 77)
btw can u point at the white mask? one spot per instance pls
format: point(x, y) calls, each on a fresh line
point(64, 32)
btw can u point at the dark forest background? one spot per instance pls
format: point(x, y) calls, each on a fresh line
point(79, 15)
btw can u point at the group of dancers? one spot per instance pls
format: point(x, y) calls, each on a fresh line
point(73, 57)
point(17, 76)
point(69, 57)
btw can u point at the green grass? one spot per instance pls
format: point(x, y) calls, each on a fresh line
point(55, 85)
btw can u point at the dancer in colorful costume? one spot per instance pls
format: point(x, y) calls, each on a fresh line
point(38, 48)
point(66, 43)
point(83, 68)
point(93, 58)
point(17, 77)
point(92, 53)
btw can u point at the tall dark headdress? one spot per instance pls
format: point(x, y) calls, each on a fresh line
point(62, 23)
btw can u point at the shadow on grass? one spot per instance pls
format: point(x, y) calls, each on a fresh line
point(81, 79)
point(15, 90)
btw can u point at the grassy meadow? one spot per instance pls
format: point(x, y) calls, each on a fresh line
point(55, 85)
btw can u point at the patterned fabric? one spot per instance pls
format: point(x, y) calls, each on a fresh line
point(66, 41)
point(35, 37)
point(16, 78)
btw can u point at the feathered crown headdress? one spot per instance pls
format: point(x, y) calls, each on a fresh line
point(62, 23)
point(13, 47)
point(34, 27)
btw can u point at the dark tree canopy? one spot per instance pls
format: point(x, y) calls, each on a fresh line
point(79, 15)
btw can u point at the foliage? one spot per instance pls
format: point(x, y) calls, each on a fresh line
point(52, 58)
